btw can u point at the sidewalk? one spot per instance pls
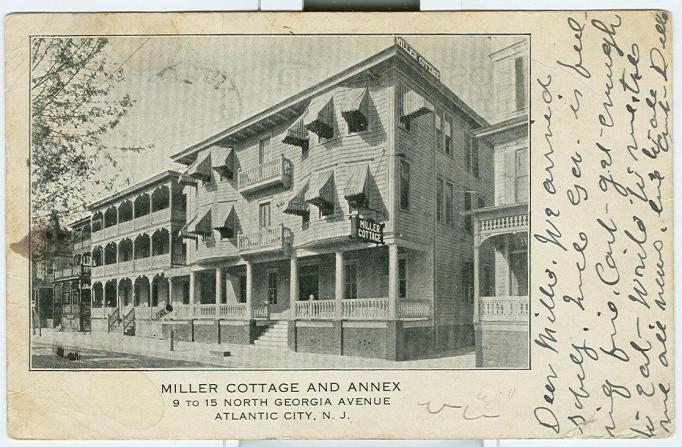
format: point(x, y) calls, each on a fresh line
point(242, 356)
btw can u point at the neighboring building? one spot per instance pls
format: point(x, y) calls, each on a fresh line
point(336, 221)
point(501, 310)
point(71, 281)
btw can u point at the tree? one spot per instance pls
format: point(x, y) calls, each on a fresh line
point(74, 104)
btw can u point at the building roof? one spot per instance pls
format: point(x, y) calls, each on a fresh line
point(295, 105)
point(132, 189)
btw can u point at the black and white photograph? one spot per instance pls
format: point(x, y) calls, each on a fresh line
point(275, 202)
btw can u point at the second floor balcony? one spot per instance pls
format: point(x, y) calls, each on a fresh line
point(72, 271)
point(265, 239)
point(276, 172)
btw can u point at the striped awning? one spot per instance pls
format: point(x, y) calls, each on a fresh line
point(202, 225)
point(223, 160)
point(413, 104)
point(297, 135)
point(297, 204)
point(319, 118)
point(356, 186)
point(185, 232)
point(225, 219)
point(201, 167)
point(354, 103)
point(321, 191)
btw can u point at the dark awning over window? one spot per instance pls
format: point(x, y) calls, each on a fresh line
point(201, 168)
point(354, 105)
point(414, 104)
point(319, 118)
point(297, 204)
point(355, 191)
point(321, 192)
point(202, 226)
point(225, 219)
point(186, 232)
point(223, 160)
point(297, 135)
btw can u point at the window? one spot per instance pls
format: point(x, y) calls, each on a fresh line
point(242, 289)
point(404, 121)
point(468, 282)
point(467, 207)
point(449, 204)
point(326, 211)
point(448, 137)
point(521, 183)
point(402, 278)
point(474, 156)
point(439, 131)
point(520, 83)
point(351, 281)
point(404, 185)
point(272, 287)
point(439, 200)
point(263, 150)
point(481, 203)
point(467, 153)
point(264, 215)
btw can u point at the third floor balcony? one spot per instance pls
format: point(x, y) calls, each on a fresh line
point(276, 172)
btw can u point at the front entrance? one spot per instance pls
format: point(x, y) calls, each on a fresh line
point(308, 283)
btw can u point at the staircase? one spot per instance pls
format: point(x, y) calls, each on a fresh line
point(128, 323)
point(274, 335)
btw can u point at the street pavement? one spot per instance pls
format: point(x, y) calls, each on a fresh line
point(150, 353)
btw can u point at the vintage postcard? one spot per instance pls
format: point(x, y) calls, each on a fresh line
point(309, 225)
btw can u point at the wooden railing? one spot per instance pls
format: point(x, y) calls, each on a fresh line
point(113, 319)
point(503, 308)
point(272, 237)
point(316, 310)
point(276, 170)
point(128, 319)
point(498, 224)
point(260, 311)
point(234, 311)
point(414, 309)
point(365, 309)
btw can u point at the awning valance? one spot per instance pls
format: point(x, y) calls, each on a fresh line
point(222, 159)
point(185, 231)
point(202, 225)
point(319, 118)
point(297, 204)
point(297, 135)
point(201, 167)
point(354, 105)
point(321, 191)
point(356, 192)
point(414, 104)
point(225, 219)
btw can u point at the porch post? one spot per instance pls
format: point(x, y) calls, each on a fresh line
point(170, 291)
point(118, 300)
point(477, 243)
point(339, 286)
point(508, 273)
point(218, 290)
point(191, 286)
point(249, 290)
point(392, 282)
point(293, 285)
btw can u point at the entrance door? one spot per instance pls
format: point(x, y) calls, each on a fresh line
point(308, 283)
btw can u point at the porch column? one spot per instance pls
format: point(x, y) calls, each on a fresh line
point(293, 285)
point(392, 282)
point(508, 273)
point(118, 299)
point(477, 243)
point(218, 290)
point(191, 286)
point(339, 286)
point(170, 291)
point(249, 290)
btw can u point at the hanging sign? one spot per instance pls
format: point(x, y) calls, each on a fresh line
point(367, 230)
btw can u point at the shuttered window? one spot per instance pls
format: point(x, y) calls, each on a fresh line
point(404, 185)
point(520, 83)
point(449, 204)
point(439, 200)
point(467, 207)
point(521, 183)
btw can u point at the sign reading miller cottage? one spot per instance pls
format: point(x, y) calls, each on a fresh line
point(366, 229)
point(421, 60)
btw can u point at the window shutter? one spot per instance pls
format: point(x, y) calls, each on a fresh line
point(520, 81)
point(474, 155)
point(510, 177)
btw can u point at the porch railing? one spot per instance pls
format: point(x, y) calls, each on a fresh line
point(234, 311)
point(497, 224)
point(260, 311)
point(414, 309)
point(113, 319)
point(272, 237)
point(128, 319)
point(365, 309)
point(503, 308)
point(316, 310)
point(277, 169)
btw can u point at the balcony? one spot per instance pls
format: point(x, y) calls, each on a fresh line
point(265, 239)
point(72, 272)
point(503, 309)
point(136, 265)
point(276, 172)
point(81, 244)
point(501, 219)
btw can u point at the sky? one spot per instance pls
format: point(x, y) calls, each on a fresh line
point(188, 88)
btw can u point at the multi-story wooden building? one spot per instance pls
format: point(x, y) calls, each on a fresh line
point(335, 221)
point(501, 310)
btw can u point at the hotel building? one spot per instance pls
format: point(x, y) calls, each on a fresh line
point(336, 221)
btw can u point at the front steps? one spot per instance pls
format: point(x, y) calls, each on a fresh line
point(274, 336)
